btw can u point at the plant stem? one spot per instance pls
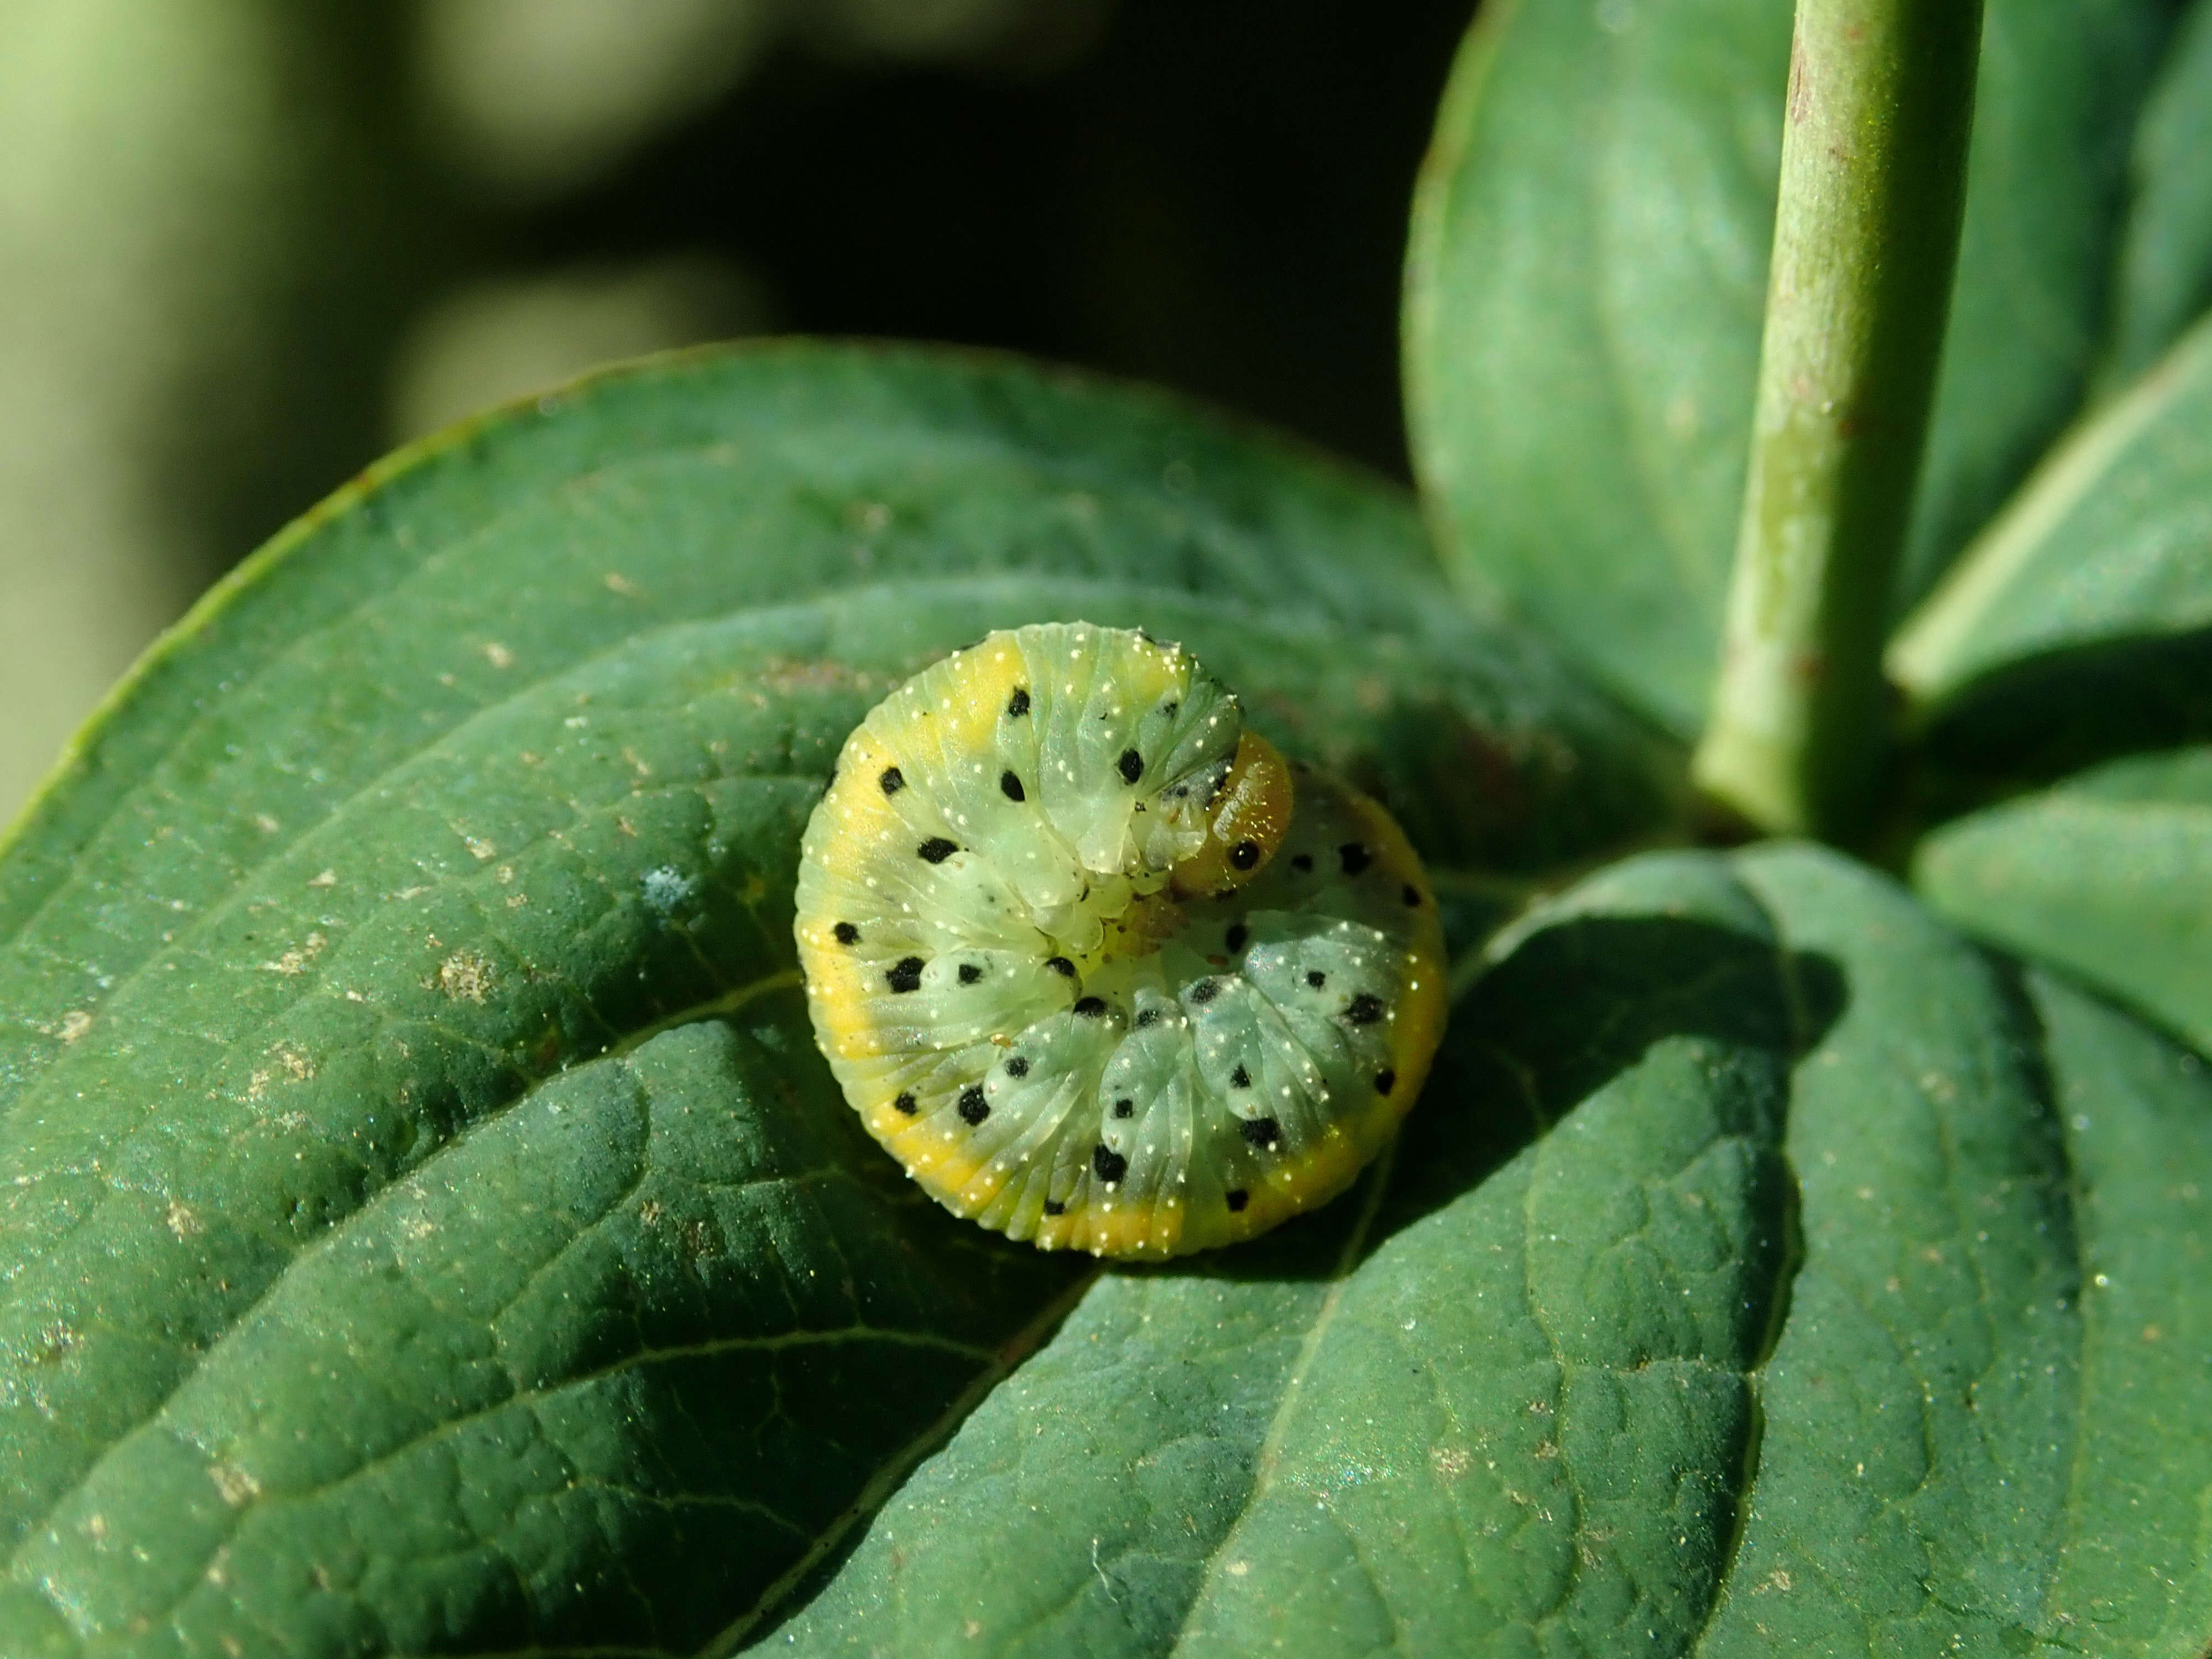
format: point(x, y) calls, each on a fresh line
point(1866, 236)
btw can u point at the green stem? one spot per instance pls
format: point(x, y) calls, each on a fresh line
point(1866, 235)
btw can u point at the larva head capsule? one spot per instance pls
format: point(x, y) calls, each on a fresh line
point(1245, 824)
point(1094, 966)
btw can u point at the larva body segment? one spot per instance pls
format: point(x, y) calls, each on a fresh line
point(1099, 968)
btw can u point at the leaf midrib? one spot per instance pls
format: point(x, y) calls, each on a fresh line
point(35, 1062)
point(448, 741)
point(895, 1468)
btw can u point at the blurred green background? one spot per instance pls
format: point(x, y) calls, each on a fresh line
point(247, 246)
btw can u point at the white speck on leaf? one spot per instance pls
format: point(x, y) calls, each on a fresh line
point(668, 889)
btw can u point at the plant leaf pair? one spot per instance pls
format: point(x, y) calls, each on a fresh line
point(1584, 312)
point(1589, 273)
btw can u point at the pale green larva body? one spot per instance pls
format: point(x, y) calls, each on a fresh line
point(1093, 967)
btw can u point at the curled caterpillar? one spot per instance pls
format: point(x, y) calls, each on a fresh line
point(1095, 963)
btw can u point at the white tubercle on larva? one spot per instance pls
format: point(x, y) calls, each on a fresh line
point(1080, 947)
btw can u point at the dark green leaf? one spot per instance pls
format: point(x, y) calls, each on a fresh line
point(1510, 1388)
point(2104, 551)
point(2109, 874)
point(427, 1225)
point(1921, 1405)
point(1772, 1339)
point(2135, 1562)
point(1586, 276)
point(608, 1366)
point(2165, 254)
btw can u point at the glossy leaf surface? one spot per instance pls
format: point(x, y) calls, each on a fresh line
point(2109, 874)
point(1765, 1270)
point(428, 1227)
point(2109, 548)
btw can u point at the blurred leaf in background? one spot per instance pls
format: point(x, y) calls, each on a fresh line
point(505, 337)
point(533, 97)
point(245, 245)
point(183, 362)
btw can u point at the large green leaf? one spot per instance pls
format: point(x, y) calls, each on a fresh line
point(1312, 1443)
point(2110, 873)
point(1736, 1288)
point(1586, 276)
point(427, 1224)
point(2102, 563)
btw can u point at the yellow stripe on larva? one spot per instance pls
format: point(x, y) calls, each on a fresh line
point(1095, 966)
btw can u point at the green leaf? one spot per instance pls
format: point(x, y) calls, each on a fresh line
point(2135, 1564)
point(1587, 277)
point(1504, 1387)
point(607, 1365)
point(1726, 1295)
point(2109, 874)
point(2096, 573)
point(425, 1223)
point(2165, 280)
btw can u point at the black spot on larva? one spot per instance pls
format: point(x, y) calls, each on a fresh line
point(1018, 1066)
point(1315, 978)
point(1238, 933)
point(1147, 1017)
point(1365, 1009)
point(970, 973)
point(1385, 1080)
point(1054, 1207)
point(905, 1103)
point(1262, 1132)
point(1169, 707)
point(830, 782)
point(1125, 1108)
point(846, 934)
point(1240, 1079)
point(1010, 786)
point(1237, 1197)
point(1302, 863)
point(1061, 966)
point(1018, 704)
point(936, 850)
point(904, 975)
point(974, 1109)
point(1131, 765)
point(1411, 894)
point(1244, 854)
point(1354, 857)
point(1110, 1164)
point(1091, 1007)
point(893, 780)
point(1206, 990)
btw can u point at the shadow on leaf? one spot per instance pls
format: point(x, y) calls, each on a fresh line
point(2039, 721)
point(1572, 1006)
